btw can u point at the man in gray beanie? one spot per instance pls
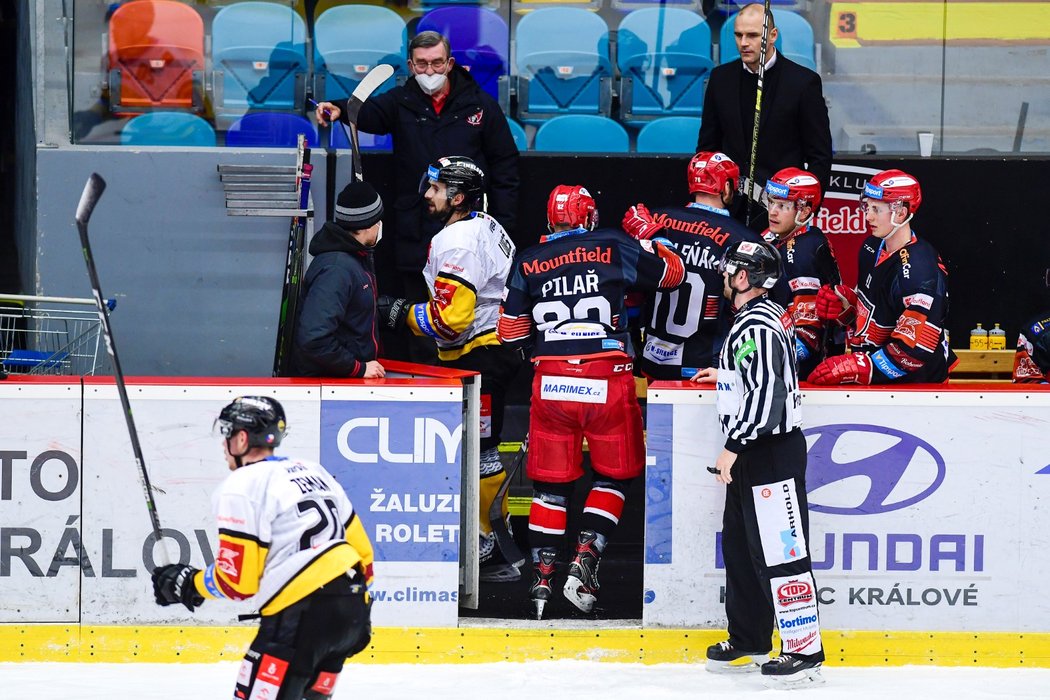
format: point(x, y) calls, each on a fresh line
point(335, 333)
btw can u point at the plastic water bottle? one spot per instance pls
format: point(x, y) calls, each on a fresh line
point(997, 338)
point(978, 338)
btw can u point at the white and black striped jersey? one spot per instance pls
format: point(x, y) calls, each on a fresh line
point(758, 391)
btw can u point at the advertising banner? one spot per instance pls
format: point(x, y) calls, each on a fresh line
point(927, 510)
point(399, 458)
point(76, 539)
point(40, 489)
point(841, 218)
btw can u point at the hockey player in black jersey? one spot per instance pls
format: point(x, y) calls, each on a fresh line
point(565, 296)
point(765, 528)
point(895, 318)
point(685, 327)
point(792, 199)
point(1032, 358)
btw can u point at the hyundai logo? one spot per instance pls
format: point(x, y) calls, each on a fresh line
point(869, 469)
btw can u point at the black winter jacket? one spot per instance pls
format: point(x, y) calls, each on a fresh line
point(335, 334)
point(471, 124)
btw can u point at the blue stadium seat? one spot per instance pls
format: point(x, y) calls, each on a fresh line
point(669, 135)
point(664, 55)
point(521, 139)
point(794, 39)
point(259, 57)
point(270, 130)
point(562, 63)
point(480, 43)
point(629, 5)
point(349, 41)
point(167, 129)
point(582, 133)
point(368, 142)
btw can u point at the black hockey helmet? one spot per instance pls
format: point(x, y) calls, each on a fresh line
point(761, 260)
point(259, 416)
point(461, 175)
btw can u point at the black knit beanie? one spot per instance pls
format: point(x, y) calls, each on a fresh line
point(358, 207)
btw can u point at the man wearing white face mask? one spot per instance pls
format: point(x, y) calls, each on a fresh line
point(441, 110)
point(335, 332)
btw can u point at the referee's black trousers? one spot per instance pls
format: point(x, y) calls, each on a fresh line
point(749, 598)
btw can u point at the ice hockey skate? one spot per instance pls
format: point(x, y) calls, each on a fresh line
point(789, 671)
point(725, 658)
point(581, 586)
point(541, 591)
point(494, 567)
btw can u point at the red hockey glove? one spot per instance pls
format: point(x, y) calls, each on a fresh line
point(838, 304)
point(854, 368)
point(639, 223)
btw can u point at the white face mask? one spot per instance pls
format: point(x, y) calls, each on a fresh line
point(379, 235)
point(431, 82)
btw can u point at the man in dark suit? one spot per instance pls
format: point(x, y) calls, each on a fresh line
point(793, 127)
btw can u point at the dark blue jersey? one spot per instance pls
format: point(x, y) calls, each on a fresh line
point(808, 264)
point(566, 294)
point(685, 327)
point(901, 312)
point(1032, 359)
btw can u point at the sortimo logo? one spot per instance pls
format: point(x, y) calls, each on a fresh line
point(869, 469)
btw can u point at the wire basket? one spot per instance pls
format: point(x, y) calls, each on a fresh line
point(51, 335)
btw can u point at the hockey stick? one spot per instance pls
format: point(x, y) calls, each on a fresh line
point(505, 540)
point(369, 84)
point(766, 14)
point(92, 191)
point(293, 266)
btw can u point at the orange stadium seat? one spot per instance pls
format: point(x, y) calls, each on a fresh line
point(156, 57)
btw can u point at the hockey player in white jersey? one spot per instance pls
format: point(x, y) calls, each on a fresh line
point(289, 538)
point(466, 270)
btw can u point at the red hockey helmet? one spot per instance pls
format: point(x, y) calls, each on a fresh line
point(894, 186)
point(709, 172)
point(572, 205)
point(795, 185)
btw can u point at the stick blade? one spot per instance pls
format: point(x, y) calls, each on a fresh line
point(376, 77)
point(93, 190)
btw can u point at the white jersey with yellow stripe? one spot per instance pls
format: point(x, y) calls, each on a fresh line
point(286, 527)
point(466, 271)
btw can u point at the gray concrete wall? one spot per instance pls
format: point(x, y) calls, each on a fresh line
point(197, 291)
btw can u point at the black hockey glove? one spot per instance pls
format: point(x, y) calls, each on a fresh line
point(174, 584)
point(392, 311)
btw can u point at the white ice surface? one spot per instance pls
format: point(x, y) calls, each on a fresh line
point(579, 680)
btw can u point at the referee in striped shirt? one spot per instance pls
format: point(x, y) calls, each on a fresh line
point(765, 528)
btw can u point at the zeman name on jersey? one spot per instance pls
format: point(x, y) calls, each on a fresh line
point(571, 289)
point(901, 312)
point(686, 326)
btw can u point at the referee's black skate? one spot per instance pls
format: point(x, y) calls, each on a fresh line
point(581, 586)
point(541, 591)
point(725, 658)
point(791, 670)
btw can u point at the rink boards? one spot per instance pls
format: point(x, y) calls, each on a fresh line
point(928, 528)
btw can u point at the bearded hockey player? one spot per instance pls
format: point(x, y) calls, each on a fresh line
point(289, 538)
point(792, 198)
point(565, 296)
point(685, 327)
point(466, 270)
point(895, 318)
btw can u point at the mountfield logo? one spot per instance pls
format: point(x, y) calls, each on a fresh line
point(577, 255)
point(869, 469)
